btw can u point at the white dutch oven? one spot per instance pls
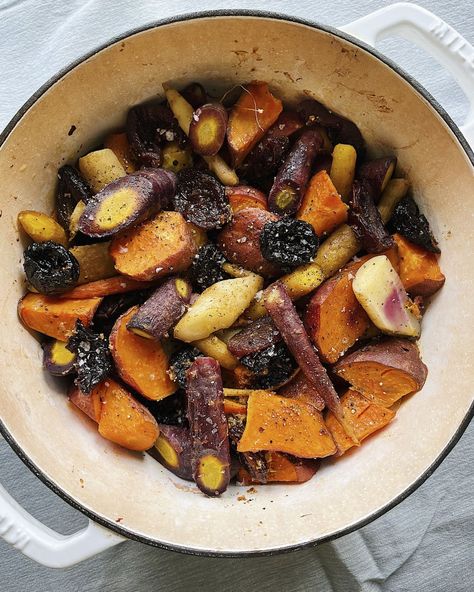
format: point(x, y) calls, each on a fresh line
point(133, 496)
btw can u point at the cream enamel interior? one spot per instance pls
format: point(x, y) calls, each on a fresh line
point(94, 96)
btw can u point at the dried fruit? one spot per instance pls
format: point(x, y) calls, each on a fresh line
point(410, 223)
point(257, 336)
point(50, 268)
point(288, 242)
point(180, 362)
point(93, 362)
point(254, 462)
point(112, 307)
point(170, 410)
point(270, 367)
point(206, 268)
point(265, 159)
point(72, 188)
point(201, 199)
point(195, 94)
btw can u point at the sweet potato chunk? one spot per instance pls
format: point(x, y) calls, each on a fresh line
point(124, 420)
point(163, 245)
point(299, 387)
point(253, 114)
point(385, 371)
point(365, 416)
point(243, 197)
point(334, 318)
point(419, 269)
point(56, 317)
point(282, 468)
point(285, 425)
point(142, 363)
point(89, 404)
point(322, 205)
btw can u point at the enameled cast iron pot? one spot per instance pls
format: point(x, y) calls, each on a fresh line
point(132, 494)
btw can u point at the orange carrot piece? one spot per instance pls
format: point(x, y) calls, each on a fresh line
point(254, 113)
point(56, 317)
point(322, 205)
point(234, 407)
point(118, 284)
point(119, 145)
point(285, 425)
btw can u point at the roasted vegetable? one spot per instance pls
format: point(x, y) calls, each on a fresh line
point(161, 311)
point(50, 268)
point(124, 420)
point(141, 363)
point(287, 124)
point(99, 168)
point(57, 359)
point(240, 241)
point(322, 206)
point(299, 387)
point(380, 291)
point(254, 338)
point(56, 317)
point(270, 367)
point(74, 221)
point(92, 358)
point(120, 146)
point(341, 130)
point(365, 417)
point(208, 427)
point(206, 268)
point(72, 188)
point(292, 178)
point(255, 463)
point(281, 468)
point(162, 245)
point(410, 223)
point(126, 202)
point(344, 158)
point(218, 307)
point(176, 157)
point(201, 199)
point(262, 163)
point(385, 371)
point(335, 319)
point(233, 407)
point(90, 404)
point(419, 269)
point(195, 94)
point(180, 362)
point(288, 242)
point(377, 173)
point(95, 263)
point(42, 228)
point(114, 285)
point(173, 449)
point(170, 410)
point(115, 305)
point(242, 197)
point(285, 425)
point(365, 220)
point(253, 114)
point(214, 347)
point(208, 128)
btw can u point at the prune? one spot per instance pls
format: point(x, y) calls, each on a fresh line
point(270, 367)
point(170, 410)
point(265, 158)
point(180, 362)
point(206, 268)
point(50, 268)
point(201, 199)
point(114, 306)
point(148, 127)
point(364, 219)
point(93, 362)
point(72, 188)
point(195, 94)
point(288, 242)
point(410, 223)
point(259, 335)
point(254, 462)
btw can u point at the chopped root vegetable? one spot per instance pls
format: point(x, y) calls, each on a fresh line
point(114, 285)
point(301, 389)
point(232, 407)
point(419, 269)
point(176, 157)
point(385, 371)
point(57, 359)
point(254, 113)
point(124, 420)
point(56, 317)
point(161, 311)
point(42, 228)
point(207, 129)
point(243, 392)
point(344, 158)
point(254, 463)
point(120, 146)
point(74, 219)
point(380, 291)
point(377, 173)
point(243, 196)
point(89, 404)
point(158, 247)
point(366, 417)
point(208, 426)
point(101, 167)
point(322, 206)
point(174, 450)
point(141, 363)
point(95, 263)
point(214, 347)
point(282, 468)
point(285, 425)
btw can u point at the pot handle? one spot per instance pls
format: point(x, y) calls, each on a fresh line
point(46, 546)
point(431, 33)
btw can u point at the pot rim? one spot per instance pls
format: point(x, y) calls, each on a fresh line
point(121, 530)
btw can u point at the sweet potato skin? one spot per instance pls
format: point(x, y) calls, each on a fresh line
point(285, 425)
point(56, 317)
point(158, 247)
point(385, 371)
point(322, 205)
point(88, 404)
point(141, 363)
point(419, 269)
point(242, 197)
point(301, 389)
